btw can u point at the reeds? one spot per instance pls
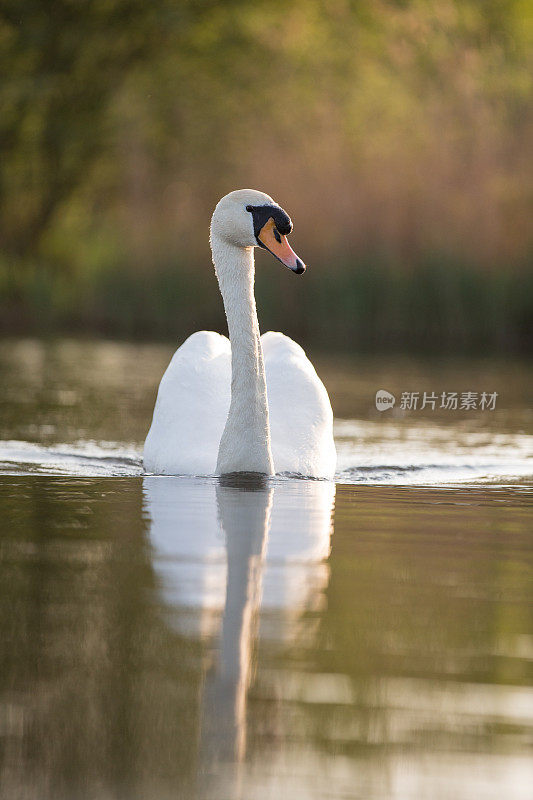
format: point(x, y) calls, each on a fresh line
point(437, 306)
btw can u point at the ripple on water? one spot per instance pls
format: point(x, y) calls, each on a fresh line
point(368, 453)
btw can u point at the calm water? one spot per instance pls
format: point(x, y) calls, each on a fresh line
point(187, 638)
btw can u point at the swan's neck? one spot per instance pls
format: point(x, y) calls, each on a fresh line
point(245, 442)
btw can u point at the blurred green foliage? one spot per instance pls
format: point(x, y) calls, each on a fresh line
point(397, 134)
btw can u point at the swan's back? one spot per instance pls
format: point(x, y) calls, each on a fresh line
point(191, 408)
point(193, 402)
point(301, 419)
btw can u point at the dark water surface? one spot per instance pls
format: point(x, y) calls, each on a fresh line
point(172, 637)
point(187, 638)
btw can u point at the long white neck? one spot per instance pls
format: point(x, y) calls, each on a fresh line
point(245, 442)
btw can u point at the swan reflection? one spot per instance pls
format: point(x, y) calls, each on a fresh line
point(223, 552)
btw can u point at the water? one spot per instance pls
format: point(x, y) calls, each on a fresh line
point(74, 408)
point(187, 638)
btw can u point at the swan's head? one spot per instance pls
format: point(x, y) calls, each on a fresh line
point(248, 218)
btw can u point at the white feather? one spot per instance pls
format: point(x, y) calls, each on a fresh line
point(193, 403)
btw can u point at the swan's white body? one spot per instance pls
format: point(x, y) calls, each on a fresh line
point(255, 405)
point(194, 399)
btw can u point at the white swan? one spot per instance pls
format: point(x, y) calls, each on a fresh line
point(212, 415)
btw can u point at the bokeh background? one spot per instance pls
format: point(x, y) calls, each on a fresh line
point(396, 133)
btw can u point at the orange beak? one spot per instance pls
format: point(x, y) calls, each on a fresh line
point(277, 244)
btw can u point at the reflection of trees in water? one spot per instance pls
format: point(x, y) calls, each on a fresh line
point(96, 691)
point(426, 591)
point(158, 640)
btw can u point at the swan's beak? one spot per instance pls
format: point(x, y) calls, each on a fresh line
point(272, 240)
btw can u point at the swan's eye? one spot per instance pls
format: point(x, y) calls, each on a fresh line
point(249, 208)
point(277, 237)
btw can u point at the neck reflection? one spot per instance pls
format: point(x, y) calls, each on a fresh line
point(244, 516)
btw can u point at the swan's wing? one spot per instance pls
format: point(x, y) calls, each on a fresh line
point(191, 408)
point(301, 419)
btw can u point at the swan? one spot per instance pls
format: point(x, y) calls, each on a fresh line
point(251, 403)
